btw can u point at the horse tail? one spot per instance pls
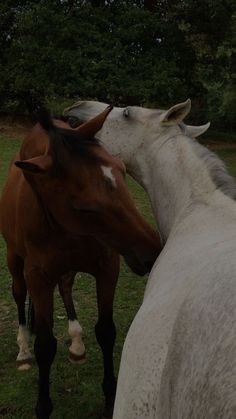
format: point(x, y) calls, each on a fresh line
point(30, 317)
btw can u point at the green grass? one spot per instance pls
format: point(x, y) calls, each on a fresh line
point(76, 390)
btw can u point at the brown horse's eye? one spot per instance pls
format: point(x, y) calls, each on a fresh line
point(90, 210)
point(73, 121)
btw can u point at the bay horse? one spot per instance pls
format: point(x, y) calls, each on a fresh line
point(179, 356)
point(66, 208)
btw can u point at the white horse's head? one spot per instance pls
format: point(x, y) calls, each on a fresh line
point(128, 130)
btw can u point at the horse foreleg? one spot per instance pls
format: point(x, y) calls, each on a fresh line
point(77, 348)
point(106, 331)
point(41, 290)
point(19, 291)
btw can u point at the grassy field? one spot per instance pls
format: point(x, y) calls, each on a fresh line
point(76, 390)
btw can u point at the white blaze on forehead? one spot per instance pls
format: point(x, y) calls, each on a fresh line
point(107, 171)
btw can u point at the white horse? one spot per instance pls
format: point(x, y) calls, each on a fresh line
point(179, 356)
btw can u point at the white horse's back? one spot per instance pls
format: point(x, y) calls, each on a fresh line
point(180, 351)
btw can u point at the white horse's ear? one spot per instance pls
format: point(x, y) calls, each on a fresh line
point(195, 131)
point(176, 113)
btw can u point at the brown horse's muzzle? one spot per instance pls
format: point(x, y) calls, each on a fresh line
point(142, 258)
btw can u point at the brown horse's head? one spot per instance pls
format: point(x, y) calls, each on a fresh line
point(82, 190)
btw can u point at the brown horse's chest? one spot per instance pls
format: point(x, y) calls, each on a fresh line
point(61, 254)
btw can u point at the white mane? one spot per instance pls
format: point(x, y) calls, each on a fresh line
point(218, 171)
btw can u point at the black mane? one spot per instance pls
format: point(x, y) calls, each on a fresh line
point(73, 121)
point(75, 143)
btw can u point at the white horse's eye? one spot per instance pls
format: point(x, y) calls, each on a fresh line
point(126, 113)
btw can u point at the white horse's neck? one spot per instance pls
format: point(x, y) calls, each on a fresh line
point(175, 178)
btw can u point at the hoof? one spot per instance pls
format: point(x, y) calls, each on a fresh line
point(24, 364)
point(44, 410)
point(77, 359)
point(108, 411)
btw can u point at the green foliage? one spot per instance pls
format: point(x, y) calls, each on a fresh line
point(211, 31)
point(125, 52)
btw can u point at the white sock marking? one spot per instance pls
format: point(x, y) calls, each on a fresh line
point(75, 331)
point(23, 343)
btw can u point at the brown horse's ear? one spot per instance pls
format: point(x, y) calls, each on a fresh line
point(40, 164)
point(90, 128)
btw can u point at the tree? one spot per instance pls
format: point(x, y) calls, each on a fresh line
point(130, 52)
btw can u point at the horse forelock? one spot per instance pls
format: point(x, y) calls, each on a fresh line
point(61, 136)
point(44, 119)
point(75, 144)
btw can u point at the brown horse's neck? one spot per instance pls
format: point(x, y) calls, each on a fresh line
point(35, 144)
point(49, 219)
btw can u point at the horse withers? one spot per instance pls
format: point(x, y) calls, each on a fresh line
point(64, 207)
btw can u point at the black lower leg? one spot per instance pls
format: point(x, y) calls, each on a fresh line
point(19, 292)
point(106, 334)
point(45, 350)
point(65, 288)
point(31, 317)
